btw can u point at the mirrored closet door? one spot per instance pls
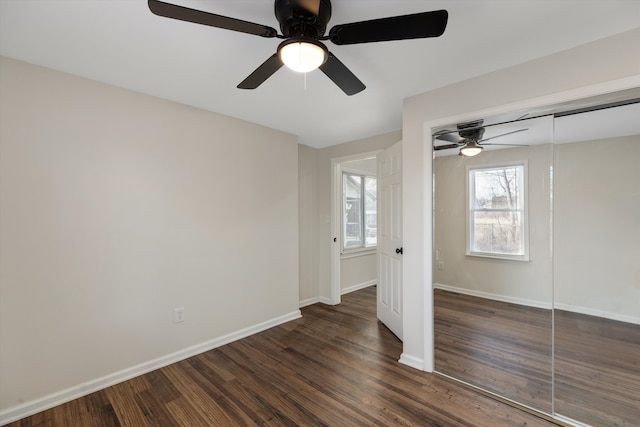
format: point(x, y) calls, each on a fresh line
point(537, 258)
point(492, 261)
point(597, 266)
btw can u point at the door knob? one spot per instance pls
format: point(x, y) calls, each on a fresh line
point(399, 250)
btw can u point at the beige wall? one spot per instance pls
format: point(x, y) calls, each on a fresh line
point(365, 166)
point(308, 218)
point(116, 208)
point(597, 228)
point(540, 82)
point(358, 272)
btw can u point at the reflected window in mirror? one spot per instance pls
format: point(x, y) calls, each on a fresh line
point(497, 214)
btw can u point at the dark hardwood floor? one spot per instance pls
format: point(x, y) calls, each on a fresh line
point(597, 370)
point(336, 366)
point(506, 348)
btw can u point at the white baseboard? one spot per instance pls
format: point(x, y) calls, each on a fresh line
point(327, 301)
point(358, 287)
point(530, 303)
point(496, 297)
point(598, 313)
point(26, 409)
point(412, 361)
point(314, 300)
point(308, 301)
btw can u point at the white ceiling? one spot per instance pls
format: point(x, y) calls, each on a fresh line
point(121, 43)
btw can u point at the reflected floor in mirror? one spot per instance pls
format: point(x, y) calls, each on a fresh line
point(501, 347)
point(597, 370)
point(505, 348)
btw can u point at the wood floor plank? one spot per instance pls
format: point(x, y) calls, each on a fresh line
point(120, 395)
point(336, 366)
point(200, 398)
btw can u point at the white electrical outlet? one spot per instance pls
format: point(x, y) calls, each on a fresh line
point(178, 315)
point(440, 265)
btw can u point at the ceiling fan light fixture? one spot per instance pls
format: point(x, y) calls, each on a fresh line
point(302, 55)
point(471, 149)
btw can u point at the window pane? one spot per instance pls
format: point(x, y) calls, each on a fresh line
point(497, 188)
point(497, 220)
point(370, 210)
point(497, 232)
point(352, 190)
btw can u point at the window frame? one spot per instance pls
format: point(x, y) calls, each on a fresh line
point(362, 247)
point(524, 211)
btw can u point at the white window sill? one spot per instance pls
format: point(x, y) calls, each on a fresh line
point(358, 252)
point(524, 258)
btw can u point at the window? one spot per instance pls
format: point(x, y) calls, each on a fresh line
point(497, 215)
point(359, 228)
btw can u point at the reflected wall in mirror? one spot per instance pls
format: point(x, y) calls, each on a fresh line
point(597, 269)
point(496, 318)
point(492, 303)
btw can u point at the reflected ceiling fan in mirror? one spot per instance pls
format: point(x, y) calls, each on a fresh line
point(469, 138)
point(303, 24)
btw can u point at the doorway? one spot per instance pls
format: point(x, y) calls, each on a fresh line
point(353, 223)
point(369, 248)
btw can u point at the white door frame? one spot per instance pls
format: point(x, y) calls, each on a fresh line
point(336, 218)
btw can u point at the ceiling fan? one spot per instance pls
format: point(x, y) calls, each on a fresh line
point(468, 137)
point(303, 24)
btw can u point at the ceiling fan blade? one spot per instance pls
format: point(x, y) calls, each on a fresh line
point(448, 146)
point(450, 136)
point(341, 75)
point(505, 145)
point(262, 73)
point(403, 27)
point(501, 135)
point(182, 13)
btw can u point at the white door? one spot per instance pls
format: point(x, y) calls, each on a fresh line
point(389, 304)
